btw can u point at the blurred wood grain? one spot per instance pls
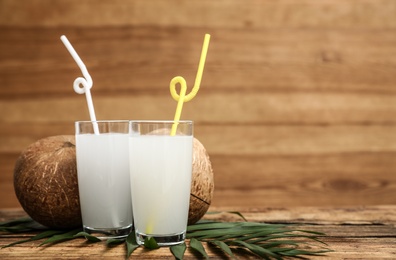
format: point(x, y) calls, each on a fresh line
point(347, 230)
point(297, 104)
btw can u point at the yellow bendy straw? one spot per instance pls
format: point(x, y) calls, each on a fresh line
point(183, 85)
point(180, 100)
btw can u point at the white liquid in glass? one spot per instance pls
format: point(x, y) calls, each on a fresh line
point(161, 168)
point(103, 180)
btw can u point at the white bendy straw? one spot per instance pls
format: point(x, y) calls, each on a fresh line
point(82, 85)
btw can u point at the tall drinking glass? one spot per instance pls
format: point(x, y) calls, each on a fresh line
point(103, 177)
point(161, 169)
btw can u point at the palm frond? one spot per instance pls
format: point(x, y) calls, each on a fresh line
point(268, 241)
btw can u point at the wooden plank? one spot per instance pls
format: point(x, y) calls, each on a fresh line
point(285, 140)
point(362, 174)
point(368, 248)
point(351, 248)
point(212, 108)
point(349, 232)
point(305, 180)
point(234, 14)
point(8, 198)
point(323, 215)
point(130, 60)
point(283, 196)
point(258, 140)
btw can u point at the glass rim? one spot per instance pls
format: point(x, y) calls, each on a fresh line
point(162, 121)
point(103, 121)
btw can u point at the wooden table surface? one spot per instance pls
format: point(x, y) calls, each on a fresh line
point(352, 232)
point(296, 106)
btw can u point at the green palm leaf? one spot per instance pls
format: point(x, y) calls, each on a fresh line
point(20, 225)
point(14, 222)
point(223, 246)
point(64, 236)
point(197, 246)
point(131, 244)
point(150, 243)
point(230, 212)
point(45, 234)
point(115, 241)
point(178, 250)
point(89, 237)
point(268, 241)
point(265, 253)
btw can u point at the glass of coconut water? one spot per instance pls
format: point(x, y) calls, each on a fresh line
point(103, 177)
point(160, 161)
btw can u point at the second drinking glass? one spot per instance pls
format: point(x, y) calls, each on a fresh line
point(160, 171)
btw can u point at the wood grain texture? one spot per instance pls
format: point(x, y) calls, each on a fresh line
point(351, 232)
point(297, 104)
point(223, 13)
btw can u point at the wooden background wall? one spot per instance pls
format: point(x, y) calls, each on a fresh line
point(297, 104)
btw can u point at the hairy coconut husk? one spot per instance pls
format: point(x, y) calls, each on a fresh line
point(45, 182)
point(202, 185)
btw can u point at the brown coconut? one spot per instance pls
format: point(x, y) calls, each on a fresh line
point(46, 185)
point(45, 182)
point(202, 185)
